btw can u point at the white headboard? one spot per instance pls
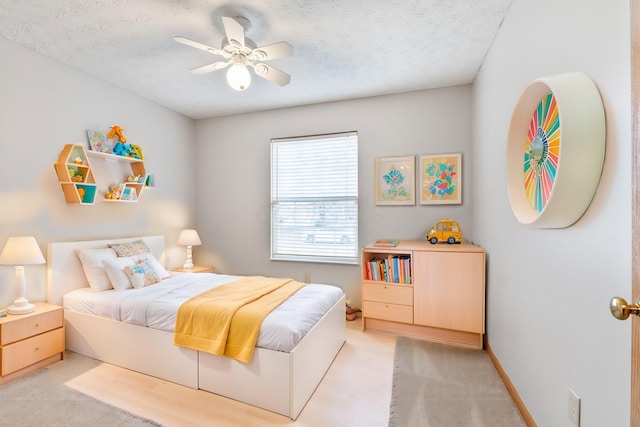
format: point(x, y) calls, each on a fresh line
point(64, 270)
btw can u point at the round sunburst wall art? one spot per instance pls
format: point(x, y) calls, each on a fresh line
point(555, 150)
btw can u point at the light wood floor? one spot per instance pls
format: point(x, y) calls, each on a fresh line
point(355, 392)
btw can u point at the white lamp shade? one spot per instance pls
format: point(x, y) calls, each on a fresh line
point(238, 77)
point(189, 237)
point(21, 251)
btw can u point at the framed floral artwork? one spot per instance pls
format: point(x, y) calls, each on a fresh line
point(440, 179)
point(395, 180)
point(98, 142)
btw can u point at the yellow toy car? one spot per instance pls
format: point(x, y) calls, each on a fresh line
point(445, 231)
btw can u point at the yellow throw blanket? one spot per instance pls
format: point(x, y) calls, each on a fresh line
point(226, 320)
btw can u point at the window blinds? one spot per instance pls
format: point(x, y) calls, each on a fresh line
point(314, 198)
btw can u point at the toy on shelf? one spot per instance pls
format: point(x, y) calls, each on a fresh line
point(117, 130)
point(445, 230)
point(76, 174)
point(121, 148)
point(136, 152)
point(140, 179)
point(113, 193)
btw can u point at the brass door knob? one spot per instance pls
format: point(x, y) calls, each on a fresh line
point(621, 309)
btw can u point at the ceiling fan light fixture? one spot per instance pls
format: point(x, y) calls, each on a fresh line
point(239, 52)
point(238, 77)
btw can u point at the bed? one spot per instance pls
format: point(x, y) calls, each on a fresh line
point(279, 381)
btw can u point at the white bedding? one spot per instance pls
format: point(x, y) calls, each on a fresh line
point(156, 306)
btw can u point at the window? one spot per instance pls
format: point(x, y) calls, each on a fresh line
point(314, 198)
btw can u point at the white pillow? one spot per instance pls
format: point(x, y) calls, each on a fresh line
point(115, 270)
point(157, 267)
point(91, 260)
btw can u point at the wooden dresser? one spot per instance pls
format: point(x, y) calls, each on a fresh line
point(438, 293)
point(31, 341)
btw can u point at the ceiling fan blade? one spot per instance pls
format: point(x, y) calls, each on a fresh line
point(270, 73)
point(210, 67)
point(200, 46)
point(233, 30)
point(272, 51)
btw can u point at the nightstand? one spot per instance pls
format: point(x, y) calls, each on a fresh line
point(195, 269)
point(31, 341)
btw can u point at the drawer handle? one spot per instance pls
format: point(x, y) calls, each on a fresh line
point(37, 325)
point(37, 348)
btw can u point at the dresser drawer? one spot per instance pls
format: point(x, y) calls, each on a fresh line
point(384, 311)
point(29, 326)
point(394, 294)
point(32, 350)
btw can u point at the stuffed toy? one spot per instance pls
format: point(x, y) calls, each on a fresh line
point(136, 151)
point(121, 149)
point(351, 312)
point(117, 130)
point(113, 193)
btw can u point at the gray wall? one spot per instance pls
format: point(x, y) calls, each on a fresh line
point(548, 289)
point(45, 105)
point(232, 206)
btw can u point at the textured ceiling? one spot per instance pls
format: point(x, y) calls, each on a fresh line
point(343, 49)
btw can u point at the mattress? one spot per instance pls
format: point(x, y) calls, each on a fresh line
point(156, 306)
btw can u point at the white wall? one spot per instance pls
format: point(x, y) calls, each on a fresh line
point(44, 105)
point(233, 175)
point(548, 289)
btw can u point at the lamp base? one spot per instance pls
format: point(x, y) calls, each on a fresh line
point(21, 309)
point(188, 263)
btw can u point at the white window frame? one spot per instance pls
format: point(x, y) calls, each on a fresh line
point(306, 224)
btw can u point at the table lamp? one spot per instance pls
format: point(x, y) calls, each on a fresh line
point(20, 251)
point(189, 238)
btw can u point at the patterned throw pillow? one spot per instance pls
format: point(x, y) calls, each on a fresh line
point(141, 274)
point(157, 267)
point(131, 248)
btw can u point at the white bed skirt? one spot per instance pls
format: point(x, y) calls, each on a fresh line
point(277, 381)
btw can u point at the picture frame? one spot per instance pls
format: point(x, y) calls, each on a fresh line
point(129, 194)
point(98, 141)
point(440, 179)
point(395, 180)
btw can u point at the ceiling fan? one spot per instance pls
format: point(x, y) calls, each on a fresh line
point(241, 52)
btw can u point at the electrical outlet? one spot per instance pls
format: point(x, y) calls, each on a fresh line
point(307, 277)
point(574, 408)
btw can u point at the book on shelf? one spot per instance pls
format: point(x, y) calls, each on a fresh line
point(391, 269)
point(386, 243)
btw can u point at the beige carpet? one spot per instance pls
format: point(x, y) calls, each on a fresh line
point(41, 399)
point(436, 385)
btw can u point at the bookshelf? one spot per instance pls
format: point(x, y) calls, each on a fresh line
point(434, 292)
point(76, 175)
point(389, 268)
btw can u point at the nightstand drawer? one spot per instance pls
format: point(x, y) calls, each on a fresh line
point(30, 325)
point(394, 294)
point(32, 350)
point(384, 311)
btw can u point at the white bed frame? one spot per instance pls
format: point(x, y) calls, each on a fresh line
point(276, 381)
